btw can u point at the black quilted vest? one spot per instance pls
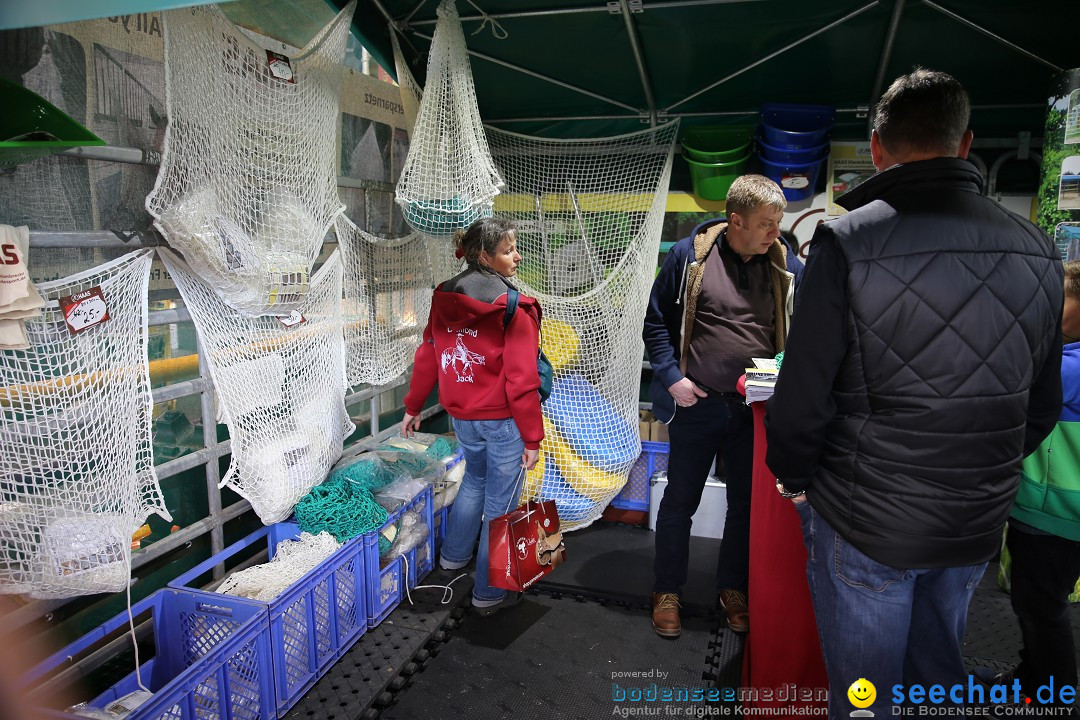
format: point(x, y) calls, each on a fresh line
point(953, 303)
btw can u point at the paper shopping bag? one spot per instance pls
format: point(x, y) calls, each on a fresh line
point(524, 545)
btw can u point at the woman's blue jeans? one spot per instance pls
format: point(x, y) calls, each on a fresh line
point(490, 488)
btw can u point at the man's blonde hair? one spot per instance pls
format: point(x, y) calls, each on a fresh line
point(750, 192)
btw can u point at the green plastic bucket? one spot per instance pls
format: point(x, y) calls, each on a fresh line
point(717, 143)
point(712, 180)
point(31, 127)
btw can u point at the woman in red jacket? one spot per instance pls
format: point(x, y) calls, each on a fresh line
point(486, 372)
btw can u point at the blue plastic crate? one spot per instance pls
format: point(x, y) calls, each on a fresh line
point(442, 516)
point(384, 583)
point(211, 659)
point(314, 621)
point(635, 494)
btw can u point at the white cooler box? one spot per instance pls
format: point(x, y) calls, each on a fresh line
point(709, 518)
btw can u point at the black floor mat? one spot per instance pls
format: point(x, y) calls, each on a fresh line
point(551, 658)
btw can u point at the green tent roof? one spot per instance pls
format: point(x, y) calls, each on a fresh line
point(591, 67)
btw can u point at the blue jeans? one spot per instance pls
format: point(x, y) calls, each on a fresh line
point(490, 488)
point(715, 425)
point(888, 625)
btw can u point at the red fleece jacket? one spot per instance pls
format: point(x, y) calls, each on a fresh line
point(484, 371)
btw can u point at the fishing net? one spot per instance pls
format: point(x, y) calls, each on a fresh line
point(77, 471)
point(449, 179)
point(387, 298)
point(280, 385)
point(589, 216)
point(248, 182)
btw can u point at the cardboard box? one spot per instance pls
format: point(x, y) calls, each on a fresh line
point(708, 521)
point(658, 432)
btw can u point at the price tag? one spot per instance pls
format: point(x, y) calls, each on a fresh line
point(292, 319)
point(84, 310)
point(280, 67)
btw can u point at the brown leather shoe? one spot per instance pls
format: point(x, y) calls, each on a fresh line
point(738, 614)
point(665, 615)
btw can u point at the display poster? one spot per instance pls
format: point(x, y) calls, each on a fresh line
point(850, 164)
point(1059, 192)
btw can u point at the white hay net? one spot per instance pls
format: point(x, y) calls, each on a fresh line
point(411, 94)
point(280, 389)
point(77, 470)
point(248, 183)
point(449, 179)
point(387, 299)
point(589, 216)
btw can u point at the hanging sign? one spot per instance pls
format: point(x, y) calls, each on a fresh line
point(850, 164)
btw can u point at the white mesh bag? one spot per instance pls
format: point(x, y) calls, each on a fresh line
point(248, 183)
point(589, 216)
point(387, 298)
point(281, 389)
point(449, 179)
point(77, 468)
point(411, 94)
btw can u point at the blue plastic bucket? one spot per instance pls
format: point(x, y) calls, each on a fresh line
point(797, 180)
point(791, 155)
point(795, 126)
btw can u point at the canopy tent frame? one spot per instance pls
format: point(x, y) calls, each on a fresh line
point(650, 110)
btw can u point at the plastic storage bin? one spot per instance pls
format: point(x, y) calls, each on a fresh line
point(314, 621)
point(797, 180)
point(635, 494)
point(441, 518)
point(384, 583)
point(717, 143)
point(791, 155)
point(795, 126)
point(711, 181)
point(211, 659)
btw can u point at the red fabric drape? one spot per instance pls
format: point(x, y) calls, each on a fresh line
point(782, 659)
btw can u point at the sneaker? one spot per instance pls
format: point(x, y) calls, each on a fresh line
point(665, 615)
point(511, 599)
point(735, 609)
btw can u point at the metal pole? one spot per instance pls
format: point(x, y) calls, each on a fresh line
point(886, 55)
point(987, 33)
point(110, 153)
point(602, 8)
point(551, 80)
point(771, 55)
point(635, 46)
point(374, 411)
point(213, 477)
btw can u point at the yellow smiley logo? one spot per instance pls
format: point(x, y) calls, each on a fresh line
point(862, 693)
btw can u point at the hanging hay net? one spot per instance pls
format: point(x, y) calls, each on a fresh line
point(387, 298)
point(411, 93)
point(589, 215)
point(281, 389)
point(77, 470)
point(248, 182)
point(449, 179)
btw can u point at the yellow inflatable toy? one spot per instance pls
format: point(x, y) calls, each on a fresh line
point(560, 343)
point(588, 480)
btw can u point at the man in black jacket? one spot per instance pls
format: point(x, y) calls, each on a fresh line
point(925, 365)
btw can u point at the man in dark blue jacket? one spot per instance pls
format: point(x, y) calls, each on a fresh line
point(724, 295)
point(925, 365)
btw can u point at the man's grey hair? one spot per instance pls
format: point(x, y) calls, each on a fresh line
point(925, 111)
point(750, 192)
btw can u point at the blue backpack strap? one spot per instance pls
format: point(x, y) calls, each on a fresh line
point(512, 297)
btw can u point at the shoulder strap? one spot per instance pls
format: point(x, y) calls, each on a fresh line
point(512, 297)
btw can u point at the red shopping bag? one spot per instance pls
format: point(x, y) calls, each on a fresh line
point(524, 545)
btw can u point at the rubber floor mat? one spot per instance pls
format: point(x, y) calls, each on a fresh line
point(553, 657)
